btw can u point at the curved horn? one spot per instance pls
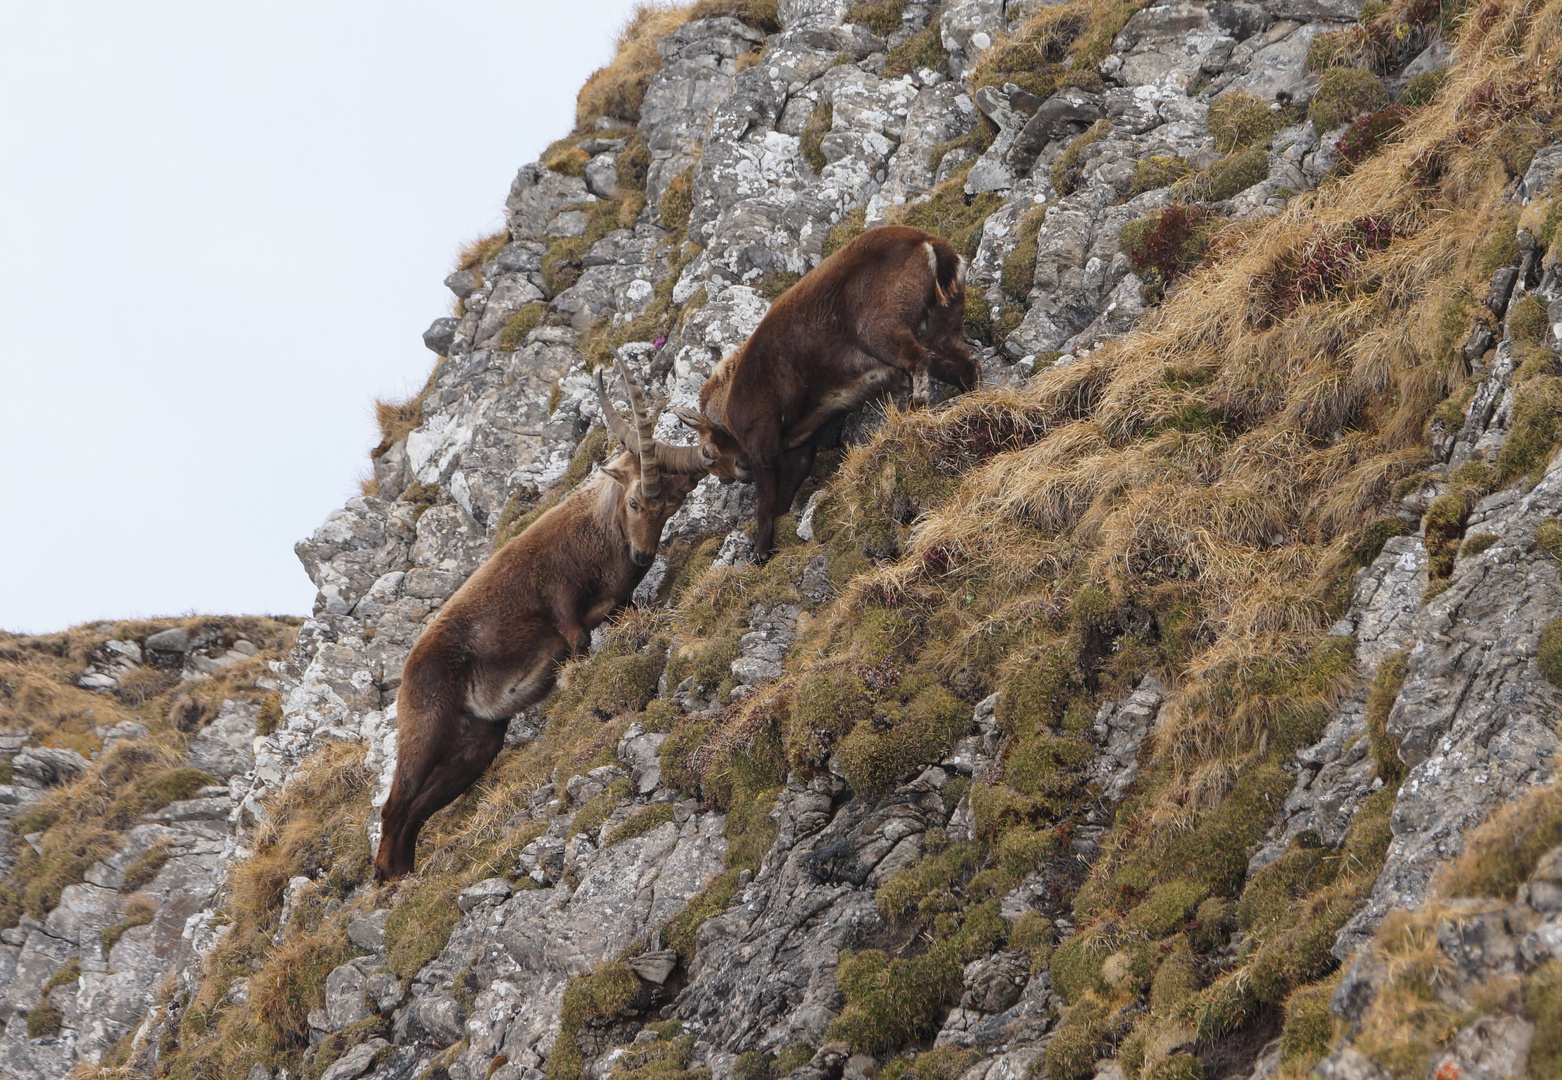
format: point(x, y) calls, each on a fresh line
point(646, 445)
point(615, 423)
point(680, 459)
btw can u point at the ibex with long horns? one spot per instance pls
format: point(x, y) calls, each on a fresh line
point(889, 304)
point(494, 648)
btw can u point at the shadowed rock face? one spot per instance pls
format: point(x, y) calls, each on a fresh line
point(1474, 719)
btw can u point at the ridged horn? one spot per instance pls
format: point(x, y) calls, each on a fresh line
point(615, 423)
point(680, 459)
point(646, 447)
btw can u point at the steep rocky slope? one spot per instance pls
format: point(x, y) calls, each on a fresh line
point(1118, 720)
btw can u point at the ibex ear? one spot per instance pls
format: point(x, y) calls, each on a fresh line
point(617, 472)
point(692, 418)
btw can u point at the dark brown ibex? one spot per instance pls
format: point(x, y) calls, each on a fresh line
point(494, 648)
point(891, 302)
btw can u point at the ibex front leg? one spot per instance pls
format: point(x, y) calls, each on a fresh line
point(894, 344)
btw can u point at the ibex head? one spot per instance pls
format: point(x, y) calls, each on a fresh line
point(720, 453)
point(655, 477)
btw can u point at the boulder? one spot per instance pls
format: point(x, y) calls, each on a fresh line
point(440, 335)
point(46, 766)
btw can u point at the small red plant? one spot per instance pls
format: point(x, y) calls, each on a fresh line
point(1172, 243)
point(1319, 267)
point(1370, 133)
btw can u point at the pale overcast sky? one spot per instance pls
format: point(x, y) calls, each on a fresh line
point(223, 229)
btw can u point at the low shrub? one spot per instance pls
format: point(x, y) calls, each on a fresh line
point(1018, 272)
point(1528, 321)
point(1503, 853)
point(880, 16)
point(146, 867)
point(1318, 267)
point(1422, 89)
point(760, 14)
point(513, 334)
point(1068, 169)
point(1158, 171)
point(947, 213)
point(419, 925)
point(973, 142)
point(1535, 432)
point(1380, 702)
point(815, 128)
point(1549, 655)
point(677, 203)
point(853, 225)
point(891, 1001)
point(639, 823)
point(1238, 120)
point(1549, 536)
point(1309, 1026)
point(1231, 175)
point(1170, 242)
point(924, 49)
point(1369, 134)
point(139, 912)
point(1345, 93)
point(1072, 1052)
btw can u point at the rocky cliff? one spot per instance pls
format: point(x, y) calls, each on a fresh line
point(1137, 716)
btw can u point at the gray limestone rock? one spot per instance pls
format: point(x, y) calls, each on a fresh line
point(536, 196)
point(493, 890)
point(368, 931)
point(46, 766)
point(355, 1062)
point(464, 282)
point(344, 997)
point(441, 335)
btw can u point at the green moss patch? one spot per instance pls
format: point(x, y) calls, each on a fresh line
point(1238, 121)
point(419, 925)
point(891, 1001)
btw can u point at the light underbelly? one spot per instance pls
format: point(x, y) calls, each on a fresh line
point(522, 686)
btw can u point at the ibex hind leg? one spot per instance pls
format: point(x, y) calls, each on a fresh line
point(456, 770)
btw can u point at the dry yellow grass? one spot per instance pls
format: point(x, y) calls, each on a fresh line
point(616, 90)
point(398, 419)
point(474, 253)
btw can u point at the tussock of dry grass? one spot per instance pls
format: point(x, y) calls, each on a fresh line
point(398, 419)
point(617, 89)
point(474, 253)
